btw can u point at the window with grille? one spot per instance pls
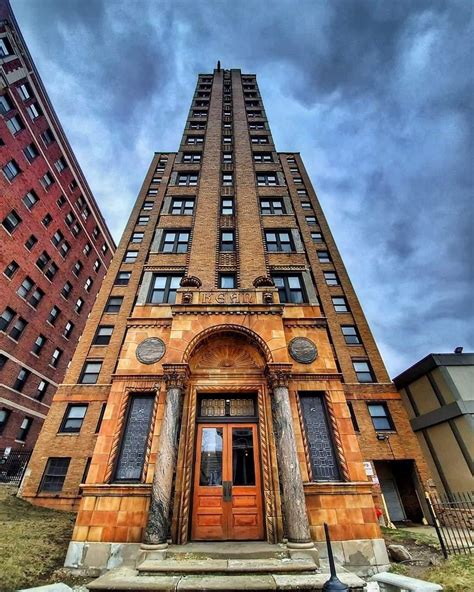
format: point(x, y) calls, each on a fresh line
point(55, 474)
point(227, 407)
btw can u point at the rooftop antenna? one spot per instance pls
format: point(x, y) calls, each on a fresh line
point(218, 65)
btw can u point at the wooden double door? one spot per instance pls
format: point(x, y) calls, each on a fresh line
point(227, 501)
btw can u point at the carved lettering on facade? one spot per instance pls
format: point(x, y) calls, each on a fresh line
point(228, 297)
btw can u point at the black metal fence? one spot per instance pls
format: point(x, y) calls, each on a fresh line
point(453, 519)
point(13, 464)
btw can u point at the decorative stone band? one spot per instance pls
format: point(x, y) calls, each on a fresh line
point(175, 375)
point(278, 374)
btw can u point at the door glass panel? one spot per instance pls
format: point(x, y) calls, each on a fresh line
point(211, 457)
point(243, 467)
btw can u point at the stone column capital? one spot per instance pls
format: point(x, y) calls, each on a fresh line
point(175, 375)
point(278, 374)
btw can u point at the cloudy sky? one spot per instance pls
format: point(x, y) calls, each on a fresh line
point(377, 96)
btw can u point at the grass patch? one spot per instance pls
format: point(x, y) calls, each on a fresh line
point(402, 536)
point(33, 542)
point(456, 574)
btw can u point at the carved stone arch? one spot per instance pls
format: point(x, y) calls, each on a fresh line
point(228, 328)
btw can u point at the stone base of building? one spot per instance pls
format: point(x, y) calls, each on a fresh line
point(363, 557)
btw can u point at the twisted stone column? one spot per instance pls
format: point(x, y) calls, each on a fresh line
point(156, 534)
point(294, 502)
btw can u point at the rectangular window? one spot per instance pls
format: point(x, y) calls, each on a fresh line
point(259, 139)
point(66, 290)
point(103, 335)
point(363, 371)
point(34, 111)
point(15, 124)
point(279, 241)
point(51, 271)
point(262, 157)
point(272, 206)
point(90, 372)
point(41, 390)
point(68, 329)
point(316, 237)
point(227, 281)
point(25, 287)
point(137, 237)
point(87, 249)
point(11, 269)
point(18, 328)
point(11, 170)
point(31, 242)
point(24, 429)
point(54, 474)
point(195, 140)
point(311, 220)
point(331, 278)
point(135, 438)
point(323, 257)
point(47, 180)
point(53, 315)
point(306, 205)
point(340, 304)
point(31, 152)
point(355, 425)
point(21, 379)
point(47, 137)
point(381, 418)
point(227, 206)
point(227, 157)
point(46, 221)
point(97, 265)
point(78, 306)
point(4, 415)
point(113, 304)
point(77, 268)
point(122, 278)
point(143, 220)
point(73, 419)
point(148, 205)
point(57, 353)
point(174, 241)
point(227, 240)
point(351, 335)
point(130, 257)
point(290, 288)
point(5, 104)
point(227, 179)
point(25, 92)
point(101, 417)
point(30, 199)
point(191, 157)
point(163, 289)
point(60, 164)
point(189, 179)
point(182, 206)
point(324, 464)
point(267, 179)
point(36, 297)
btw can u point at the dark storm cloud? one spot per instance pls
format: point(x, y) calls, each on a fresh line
point(376, 95)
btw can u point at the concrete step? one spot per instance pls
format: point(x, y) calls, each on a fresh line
point(227, 550)
point(129, 579)
point(226, 566)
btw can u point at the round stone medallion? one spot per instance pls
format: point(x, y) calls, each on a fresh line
point(303, 350)
point(150, 350)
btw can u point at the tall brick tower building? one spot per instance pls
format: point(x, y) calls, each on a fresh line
point(227, 385)
point(54, 246)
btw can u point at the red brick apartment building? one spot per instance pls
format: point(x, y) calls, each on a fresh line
point(55, 247)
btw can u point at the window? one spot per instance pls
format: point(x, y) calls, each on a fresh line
point(24, 429)
point(51, 271)
point(34, 111)
point(143, 220)
point(297, 180)
point(113, 304)
point(36, 297)
point(31, 152)
point(301, 192)
point(187, 179)
point(191, 157)
point(15, 124)
point(163, 289)
point(227, 157)
point(88, 284)
point(46, 221)
point(97, 265)
point(18, 328)
point(5, 47)
point(182, 206)
point(351, 335)
point(197, 126)
point(323, 459)
point(311, 220)
point(174, 241)
point(355, 425)
point(31, 242)
point(60, 164)
point(197, 113)
point(331, 278)
point(148, 205)
point(272, 206)
point(151, 192)
point(104, 248)
point(257, 126)
point(316, 237)
point(262, 157)
point(227, 179)
point(11, 269)
point(25, 92)
point(268, 179)
point(290, 288)
point(3, 360)
point(381, 418)
point(340, 304)
point(54, 474)
point(259, 139)
point(90, 372)
point(103, 335)
point(46, 180)
point(47, 137)
point(78, 306)
point(5, 104)
point(227, 140)
point(11, 170)
point(73, 419)
point(194, 139)
point(101, 417)
point(323, 257)
point(70, 218)
point(41, 390)
point(53, 315)
point(25, 288)
point(363, 371)
point(227, 242)
point(279, 240)
point(77, 268)
point(21, 379)
point(227, 281)
point(87, 249)
point(68, 329)
point(66, 291)
point(4, 415)
point(306, 205)
point(130, 257)
point(227, 206)
point(57, 237)
point(73, 185)
point(6, 318)
point(96, 231)
point(30, 199)
point(122, 278)
point(57, 353)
